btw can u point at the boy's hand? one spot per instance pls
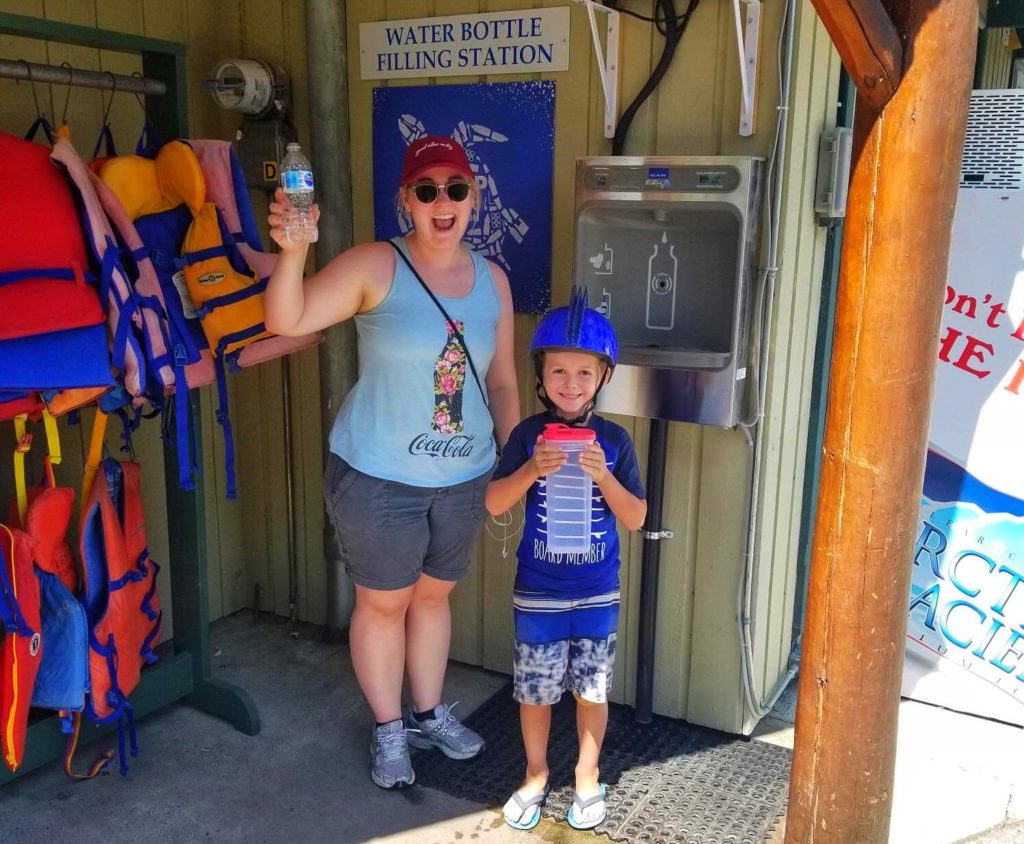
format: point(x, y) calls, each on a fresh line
point(592, 461)
point(547, 457)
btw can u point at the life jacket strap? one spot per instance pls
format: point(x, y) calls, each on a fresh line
point(147, 606)
point(52, 442)
point(231, 298)
point(183, 422)
point(130, 423)
point(73, 273)
point(92, 461)
point(187, 259)
point(40, 123)
point(105, 135)
point(24, 445)
point(224, 420)
point(146, 651)
point(98, 764)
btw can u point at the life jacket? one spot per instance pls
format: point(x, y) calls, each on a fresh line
point(119, 594)
point(52, 333)
point(31, 403)
point(124, 319)
point(178, 358)
point(18, 403)
point(63, 678)
point(21, 650)
point(227, 190)
point(149, 200)
point(46, 523)
point(228, 298)
point(186, 212)
point(63, 670)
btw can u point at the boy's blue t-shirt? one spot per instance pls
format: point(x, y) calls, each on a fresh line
point(570, 575)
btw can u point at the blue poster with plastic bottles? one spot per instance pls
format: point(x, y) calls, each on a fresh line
point(507, 130)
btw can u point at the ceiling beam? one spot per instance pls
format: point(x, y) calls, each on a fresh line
point(868, 44)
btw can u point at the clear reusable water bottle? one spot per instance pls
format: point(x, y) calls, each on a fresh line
point(569, 493)
point(297, 181)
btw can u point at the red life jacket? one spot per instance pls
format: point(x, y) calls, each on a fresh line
point(49, 514)
point(43, 262)
point(119, 588)
point(22, 647)
point(52, 336)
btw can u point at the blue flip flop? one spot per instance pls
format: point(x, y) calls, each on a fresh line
point(529, 809)
point(579, 804)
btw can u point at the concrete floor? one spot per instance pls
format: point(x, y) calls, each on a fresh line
point(958, 779)
point(304, 778)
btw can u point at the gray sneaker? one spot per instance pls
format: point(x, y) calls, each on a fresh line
point(389, 756)
point(445, 732)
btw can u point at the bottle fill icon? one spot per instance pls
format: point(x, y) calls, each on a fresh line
point(449, 381)
point(661, 285)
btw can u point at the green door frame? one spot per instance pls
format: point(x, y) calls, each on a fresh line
point(187, 672)
point(819, 380)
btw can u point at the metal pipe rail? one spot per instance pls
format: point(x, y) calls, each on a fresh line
point(67, 75)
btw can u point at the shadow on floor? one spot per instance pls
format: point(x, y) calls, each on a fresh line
point(304, 778)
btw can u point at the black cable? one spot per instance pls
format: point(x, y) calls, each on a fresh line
point(675, 26)
point(614, 6)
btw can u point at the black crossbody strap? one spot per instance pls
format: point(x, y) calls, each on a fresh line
point(455, 328)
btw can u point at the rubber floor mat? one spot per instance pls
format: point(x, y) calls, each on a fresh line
point(668, 781)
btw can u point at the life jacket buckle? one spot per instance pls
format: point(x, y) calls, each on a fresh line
point(24, 445)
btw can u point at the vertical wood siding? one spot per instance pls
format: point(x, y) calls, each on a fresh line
point(694, 111)
point(996, 61)
point(247, 538)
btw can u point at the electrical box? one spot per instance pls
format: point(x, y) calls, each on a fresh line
point(260, 145)
point(833, 178)
point(666, 247)
point(257, 90)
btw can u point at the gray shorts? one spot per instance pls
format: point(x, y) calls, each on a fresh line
point(389, 533)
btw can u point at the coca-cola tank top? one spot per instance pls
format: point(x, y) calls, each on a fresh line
point(415, 415)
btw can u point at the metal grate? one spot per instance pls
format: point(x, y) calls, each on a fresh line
point(994, 146)
point(668, 781)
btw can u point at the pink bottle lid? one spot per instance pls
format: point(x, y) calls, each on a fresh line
point(559, 433)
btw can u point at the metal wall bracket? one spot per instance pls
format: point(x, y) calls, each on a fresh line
point(748, 44)
point(658, 534)
point(607, 62)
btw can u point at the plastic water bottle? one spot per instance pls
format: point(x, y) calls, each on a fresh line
point(297, 181)
point(569, 493)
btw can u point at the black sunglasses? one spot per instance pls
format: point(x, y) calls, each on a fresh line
point(427, 192)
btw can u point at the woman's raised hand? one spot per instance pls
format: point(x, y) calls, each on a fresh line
point(280, 207)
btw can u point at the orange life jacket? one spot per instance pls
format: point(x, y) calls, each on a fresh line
point(119, 586)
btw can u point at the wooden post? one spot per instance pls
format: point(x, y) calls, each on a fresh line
point(903, 188)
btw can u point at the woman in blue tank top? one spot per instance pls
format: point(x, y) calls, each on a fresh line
point(413, 445)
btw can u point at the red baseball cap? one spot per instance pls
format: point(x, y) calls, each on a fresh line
point(431, 151)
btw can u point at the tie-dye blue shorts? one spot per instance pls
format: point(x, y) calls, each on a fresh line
point(564, 644)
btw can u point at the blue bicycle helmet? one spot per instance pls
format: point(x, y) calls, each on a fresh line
point(574, 328)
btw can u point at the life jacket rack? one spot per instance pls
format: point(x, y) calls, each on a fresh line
point(187, 672)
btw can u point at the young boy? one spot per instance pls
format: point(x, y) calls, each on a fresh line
point(566, 606)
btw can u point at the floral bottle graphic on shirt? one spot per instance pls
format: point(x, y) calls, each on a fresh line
point(449, 380)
